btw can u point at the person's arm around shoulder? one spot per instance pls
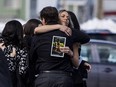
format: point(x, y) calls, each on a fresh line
point(47, 28)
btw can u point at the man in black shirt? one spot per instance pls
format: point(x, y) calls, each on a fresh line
point(51, 70)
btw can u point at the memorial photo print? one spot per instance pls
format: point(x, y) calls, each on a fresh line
point(57, 42)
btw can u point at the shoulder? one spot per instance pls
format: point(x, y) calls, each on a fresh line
point(80, 36)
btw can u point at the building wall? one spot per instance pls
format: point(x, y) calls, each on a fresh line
point(10, 9)
point(110, 9)
point(76, 6)
point(84, 12)
point(26, 9)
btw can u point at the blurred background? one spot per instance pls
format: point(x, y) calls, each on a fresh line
point(88, 12)
point(85, 10)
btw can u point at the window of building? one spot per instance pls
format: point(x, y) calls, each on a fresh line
point(12, 4)
point(8, 3)
point(80, 13)
point(70, 7)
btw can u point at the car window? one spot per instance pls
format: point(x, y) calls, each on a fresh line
point(86, 52)
point(107, 53)
point(109, 37)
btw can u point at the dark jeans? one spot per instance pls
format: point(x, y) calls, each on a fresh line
point(83, 84)
point(53, 80)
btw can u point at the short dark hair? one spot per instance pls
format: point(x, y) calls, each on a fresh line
point(50, 14)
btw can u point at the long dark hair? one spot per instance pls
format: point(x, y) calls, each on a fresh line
point(29, 31)
point(13, 33)
point(74, 24)
point(73, 19)
point(30, 26)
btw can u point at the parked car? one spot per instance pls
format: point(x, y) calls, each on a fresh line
point(101, 54)
point(101, 34)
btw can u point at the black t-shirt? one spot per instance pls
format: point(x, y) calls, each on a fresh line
point(41, 46)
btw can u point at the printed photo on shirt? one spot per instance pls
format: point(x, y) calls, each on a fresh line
point(57, 42)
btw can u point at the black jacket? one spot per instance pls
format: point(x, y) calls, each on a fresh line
point(5, 79)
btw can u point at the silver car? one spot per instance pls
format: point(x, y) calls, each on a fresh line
point(101, 54)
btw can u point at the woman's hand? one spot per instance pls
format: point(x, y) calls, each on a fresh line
point(88, 66)
point(66, 50)
point(66, 30)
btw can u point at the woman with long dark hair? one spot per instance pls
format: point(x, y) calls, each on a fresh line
point(11, 42)
point(81, 73)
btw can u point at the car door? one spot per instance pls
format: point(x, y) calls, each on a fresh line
point(107, 65)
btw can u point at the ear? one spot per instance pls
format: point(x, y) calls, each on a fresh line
point(43, 21)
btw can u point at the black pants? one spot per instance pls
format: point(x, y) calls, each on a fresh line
point(53, 80)
point(83, 84)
